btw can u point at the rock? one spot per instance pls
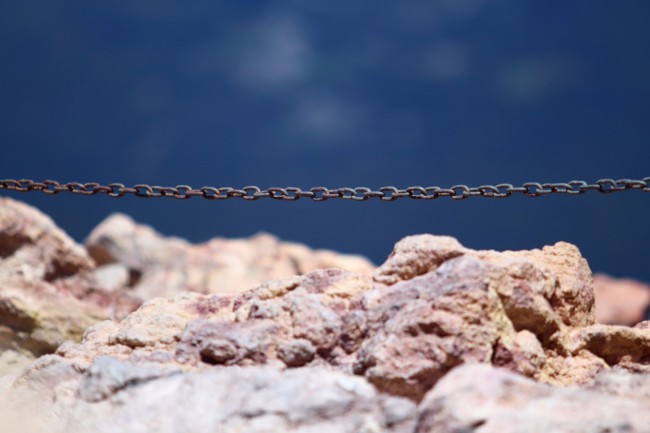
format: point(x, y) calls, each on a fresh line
point(620, 345)
point(481, 398)
point(113, 276)
point(52, 289)
point(619, 382)
point(516, 310)
point(621, 301)
point(153, 333)
point(562, 276)
point(423, 327)
point(47, 290)
point(417, 255)
point(165, 266)
point(107, 377)
point(33, 248)
point(115, 396)
point(296, 353)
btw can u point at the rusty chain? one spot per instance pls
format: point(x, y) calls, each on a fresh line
point(320, 193)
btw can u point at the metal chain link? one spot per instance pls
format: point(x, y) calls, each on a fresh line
point(320, 193)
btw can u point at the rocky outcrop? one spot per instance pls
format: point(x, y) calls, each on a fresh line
point(52, 289)
point(261, 335)
point(529, 312)
point(48, 290)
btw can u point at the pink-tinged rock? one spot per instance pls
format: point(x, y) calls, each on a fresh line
point(620, 301)
point(48, 290)
point(524, 355)
point(51, 288)
point(423, 327)
point(417, 255)
point(164, 266)
point(555, 275)
point(616, 345)
point(433, 307)
point(32, 247)
point(510, 309)
point(481, 398)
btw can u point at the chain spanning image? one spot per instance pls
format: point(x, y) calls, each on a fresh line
point(320, 193)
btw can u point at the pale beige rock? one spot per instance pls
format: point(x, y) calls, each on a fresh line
point(423, 327)
point(620, 301)
point(47, 290)
point(546, 292)
point(32, 248)
point(562, 276)
point(164, 266)
point(619, 382)
point(480, 398)
point(525, 354)
point(116, 396)
point(12, 362)
point(417, 255)
point(622, 345)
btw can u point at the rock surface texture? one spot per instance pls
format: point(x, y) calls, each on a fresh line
point(262, 336)
point(48, 290)
point(484, 399)
point(52, 289)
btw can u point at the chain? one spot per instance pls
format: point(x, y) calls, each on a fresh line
point(320, 193)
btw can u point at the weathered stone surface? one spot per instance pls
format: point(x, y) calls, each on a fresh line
point(417, 255)
point(250, 335)
point(556, 275)
point(115, 396)
point(52, 289)
point(165, 266)
point(33, 247)
point(621, 383)
point(48, 290)
point(480, 398)
point(621, 301)
point(529, 312)
point(616, 345)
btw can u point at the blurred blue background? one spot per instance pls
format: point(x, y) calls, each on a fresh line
point(337, 93)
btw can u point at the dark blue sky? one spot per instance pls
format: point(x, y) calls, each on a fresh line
point(337, 93)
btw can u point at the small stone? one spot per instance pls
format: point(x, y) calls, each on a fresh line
point(112, 276)
point(218, 351)
point(296, 353)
